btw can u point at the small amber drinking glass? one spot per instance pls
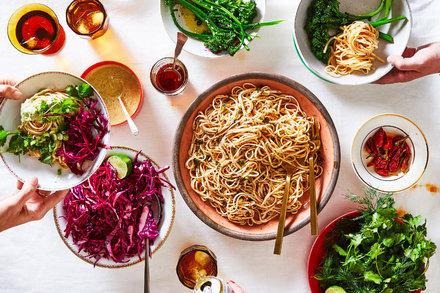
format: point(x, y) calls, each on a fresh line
point(87, 18)
point(34, 29)
point(195, 262)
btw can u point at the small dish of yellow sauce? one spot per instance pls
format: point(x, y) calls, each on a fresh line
point(104, 76)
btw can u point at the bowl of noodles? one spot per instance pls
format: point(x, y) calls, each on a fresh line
point(58, 131)
point(350, 45)
point(230, 146)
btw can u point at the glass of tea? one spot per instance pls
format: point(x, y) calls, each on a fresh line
point(169, 78)
point(34, 29)
point(195, 263)
point(87, 18)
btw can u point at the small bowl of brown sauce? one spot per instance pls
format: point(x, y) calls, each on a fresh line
point(106, 77)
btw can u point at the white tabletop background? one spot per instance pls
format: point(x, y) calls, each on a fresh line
point(33, 258)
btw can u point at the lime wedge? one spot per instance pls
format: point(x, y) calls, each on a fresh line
point(122, 164)
point(335, 289)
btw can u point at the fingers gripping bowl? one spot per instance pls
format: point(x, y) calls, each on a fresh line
point(329, 154)
point(399, 32)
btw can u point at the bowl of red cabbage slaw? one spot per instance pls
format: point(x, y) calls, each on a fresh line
point(105, 220)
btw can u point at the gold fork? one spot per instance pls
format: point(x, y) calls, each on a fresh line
point(290, 169)
point(312, 191)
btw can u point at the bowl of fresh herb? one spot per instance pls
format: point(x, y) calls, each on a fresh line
point(323, 28)
point(373, 249)
point(58, 131)
point(214, 28)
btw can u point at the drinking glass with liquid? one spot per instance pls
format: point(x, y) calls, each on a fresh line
point(87, 18)
point(168, 77)
point(197, 270)
point(34, 29)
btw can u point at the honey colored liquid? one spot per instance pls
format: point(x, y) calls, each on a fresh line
point(194, 265)
point(36, 30)
point(86, 17)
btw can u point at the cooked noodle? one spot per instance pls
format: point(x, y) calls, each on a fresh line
point(353, 49)
point(239, 145)
point(33, 124)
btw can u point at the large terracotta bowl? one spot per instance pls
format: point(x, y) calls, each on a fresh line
point(330, 154)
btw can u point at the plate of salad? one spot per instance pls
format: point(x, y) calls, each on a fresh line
point(374, 249)
point(223, 32)
point(347, 42)
point(58, 131)
point(107, 219)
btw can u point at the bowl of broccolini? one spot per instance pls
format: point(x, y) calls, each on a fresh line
point(318, 23)
point(215, 28)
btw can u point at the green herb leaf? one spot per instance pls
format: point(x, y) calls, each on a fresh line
point(370, 276)
point(4, 134)
point(16, 145)
point(72, 91)
point(46, 159)
point(84, 90)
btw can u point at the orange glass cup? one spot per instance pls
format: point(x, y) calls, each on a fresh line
point(34, 29)
point(87, 18)
point(195, 262)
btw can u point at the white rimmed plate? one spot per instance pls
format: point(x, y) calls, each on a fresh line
point(194, 46)
point(400, 31)
point(25, 166)
point(398, 125)
point(167, 219)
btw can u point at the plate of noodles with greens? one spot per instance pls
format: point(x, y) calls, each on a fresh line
point(58, 131)
point(231, 145)
point(347, 42)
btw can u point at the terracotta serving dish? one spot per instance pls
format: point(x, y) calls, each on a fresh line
point(330, 153)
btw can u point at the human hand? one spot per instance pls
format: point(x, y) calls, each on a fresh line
point(8, 90)
point(234, 287)
point(26, 204)
point(414, 63)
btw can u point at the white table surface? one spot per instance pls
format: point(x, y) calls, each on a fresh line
point(33, 258)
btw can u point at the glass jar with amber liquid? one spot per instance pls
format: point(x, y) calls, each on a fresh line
point(87, 18)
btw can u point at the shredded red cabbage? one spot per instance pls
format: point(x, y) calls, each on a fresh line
point(109, 217)
point(86, 130)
